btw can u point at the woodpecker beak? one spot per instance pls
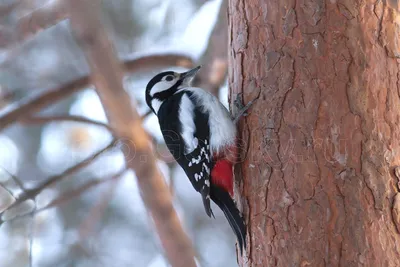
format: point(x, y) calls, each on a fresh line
point(188, 76)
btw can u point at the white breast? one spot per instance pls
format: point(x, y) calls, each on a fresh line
point(222, 128)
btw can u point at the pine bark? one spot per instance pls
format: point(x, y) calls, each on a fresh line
point(318, 184)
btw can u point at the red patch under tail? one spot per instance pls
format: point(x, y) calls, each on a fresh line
point(222, 175)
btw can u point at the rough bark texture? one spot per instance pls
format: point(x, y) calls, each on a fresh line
point(318, 186)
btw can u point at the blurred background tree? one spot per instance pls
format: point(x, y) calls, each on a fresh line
point(81, 206)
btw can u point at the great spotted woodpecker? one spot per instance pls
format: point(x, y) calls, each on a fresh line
point(201, 135)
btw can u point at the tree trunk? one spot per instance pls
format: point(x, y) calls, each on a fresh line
point(317, 184)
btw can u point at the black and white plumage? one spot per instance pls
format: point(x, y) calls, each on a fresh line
point(197, 129)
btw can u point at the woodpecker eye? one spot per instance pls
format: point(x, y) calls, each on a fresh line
point(169, 78)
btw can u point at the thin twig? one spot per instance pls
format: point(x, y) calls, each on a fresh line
point(107, 77)
point(96, 212)
point(162, 152)
point(59, 118)
point(150, 62)
point(86, 162)
point(48, 98)
point(145, 115)
point(6, 97)
point(80, 190)
point(67, 196)
point(215, 59)
point(171, 167)
point(72, 118)
point(8, 191)
point(31, 234)
point(32, 193)
point(40, 19)
point(16, 180)
point(6, 9)
point(31, 106)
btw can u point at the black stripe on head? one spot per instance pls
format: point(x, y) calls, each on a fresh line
point(152, 82)
point(167, 93)
point(164, 94)
point(156, 79)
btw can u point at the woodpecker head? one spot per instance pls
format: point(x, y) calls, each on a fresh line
point(165, 84)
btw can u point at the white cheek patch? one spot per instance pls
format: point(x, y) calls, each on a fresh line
point(161, 86)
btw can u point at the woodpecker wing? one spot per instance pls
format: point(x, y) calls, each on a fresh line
point(222, 129)
point(186, 132)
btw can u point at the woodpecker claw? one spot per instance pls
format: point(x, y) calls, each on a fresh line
point(242, 109)
point(239, 101)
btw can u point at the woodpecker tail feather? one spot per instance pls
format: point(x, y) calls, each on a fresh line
point(205, 195)
point(232, 214)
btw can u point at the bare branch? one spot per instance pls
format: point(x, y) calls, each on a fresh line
point(31, 235)
point(162, 151)
point(15, 179)
point(34, 105)
point(79, 166)
point(6, 96)
point(32, 193)
point(148, 113)
point(80, 190)
point(151, 62)
point(215, 59)
point(71, 118)
point(107, 77)
point(94, 215)
point(67, 196)
point(171, 178)
point(6, 9)
point(40, 19)
point(31, 106)
point(11, 193)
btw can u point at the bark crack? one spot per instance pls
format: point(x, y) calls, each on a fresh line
point(380, 18)
point(246, 24)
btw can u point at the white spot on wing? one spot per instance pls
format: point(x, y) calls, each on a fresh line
point(186, 115)
point(196, 160)
point(195, 142)
point(206, 168)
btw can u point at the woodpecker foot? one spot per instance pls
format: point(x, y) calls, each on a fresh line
point(241, 109)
